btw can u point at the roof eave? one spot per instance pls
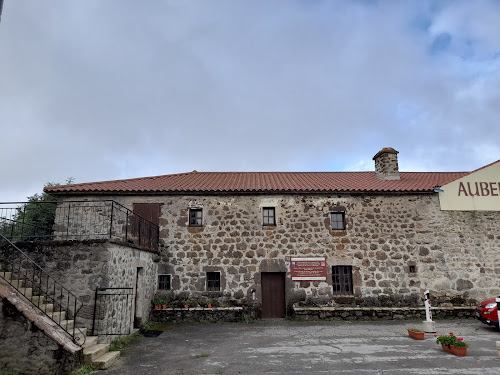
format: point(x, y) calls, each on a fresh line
point(240, 192)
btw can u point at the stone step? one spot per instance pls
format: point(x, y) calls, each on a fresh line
point(82, 331)
point(93, 352)
point(47, 308)
point(58, 316)
point(90, 340)
point(67, 324)
point(17, 283)
point(38, 300)
point(107, 360)
point(6, 275)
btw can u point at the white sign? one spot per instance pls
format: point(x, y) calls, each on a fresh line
point(195, 204)
point(478, 191)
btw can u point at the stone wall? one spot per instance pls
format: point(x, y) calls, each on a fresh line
point(125, 267)
point(217, 314)
point(454, 254)
point(102, 219)
point(83, 266)
point(381, 313)
point(25, 348)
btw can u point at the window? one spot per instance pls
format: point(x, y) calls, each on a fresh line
point(164, 282)
point(342, 280)
point(413, 268)
point(213, 281)
point(269, 217)
point(338, 220)
point(195, 217)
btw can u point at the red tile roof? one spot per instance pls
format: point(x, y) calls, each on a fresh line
point(264, 182)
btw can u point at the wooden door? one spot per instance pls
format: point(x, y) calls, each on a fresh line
point(273, 294)
point(149, 211)
point(137, 319)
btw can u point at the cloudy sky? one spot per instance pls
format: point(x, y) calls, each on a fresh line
point(101, 90)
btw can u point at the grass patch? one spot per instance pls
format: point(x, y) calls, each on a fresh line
point(202, 355)
point(158, 326)
point(87, 369)
point(11, 373)
point(120, 343)
point(248, 319)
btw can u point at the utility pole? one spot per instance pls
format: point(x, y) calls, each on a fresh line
point(1, 6)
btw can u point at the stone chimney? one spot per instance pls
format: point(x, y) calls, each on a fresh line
point(386, 164)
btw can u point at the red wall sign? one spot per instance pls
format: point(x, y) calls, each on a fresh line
point(308, 268)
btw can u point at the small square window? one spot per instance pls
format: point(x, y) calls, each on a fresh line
point(195, 217)
point(342, 280)
point(338, 220)
point(164, 282)
point(213, 281)
point(413, 268)
point(268, 216)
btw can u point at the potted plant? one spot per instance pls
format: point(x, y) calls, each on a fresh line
point(459, 347)
point(450, 343)
point(416, 333)
point(157, 302)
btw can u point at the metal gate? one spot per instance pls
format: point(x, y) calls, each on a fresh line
point(113, 311)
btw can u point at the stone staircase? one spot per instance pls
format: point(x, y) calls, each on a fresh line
point(95, 354)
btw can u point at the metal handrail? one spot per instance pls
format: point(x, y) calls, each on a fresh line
point(27, 277)
point(73, 219)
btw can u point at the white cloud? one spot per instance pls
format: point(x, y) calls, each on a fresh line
point(97, 90)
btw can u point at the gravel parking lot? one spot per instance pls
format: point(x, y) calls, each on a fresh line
point(288, 347)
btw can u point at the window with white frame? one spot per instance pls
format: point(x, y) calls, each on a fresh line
point(338, 220)
point(195, 217)
point(268, 216)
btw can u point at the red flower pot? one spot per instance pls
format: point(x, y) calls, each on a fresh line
point(417, 335)
point(446, 348)
point(460, 351)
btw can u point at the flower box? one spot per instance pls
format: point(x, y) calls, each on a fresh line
point(448, 343)
point(446, 348)
point(416, 334)
point(459, 350)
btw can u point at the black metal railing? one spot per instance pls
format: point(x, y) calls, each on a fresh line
point(41, 289)
point(113, 308)
point(73, 220)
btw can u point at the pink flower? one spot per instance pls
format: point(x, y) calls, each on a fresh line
point(460, 338)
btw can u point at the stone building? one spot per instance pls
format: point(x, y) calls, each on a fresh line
point(275, 241)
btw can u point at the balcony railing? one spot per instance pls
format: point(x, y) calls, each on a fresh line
point(76, 220)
